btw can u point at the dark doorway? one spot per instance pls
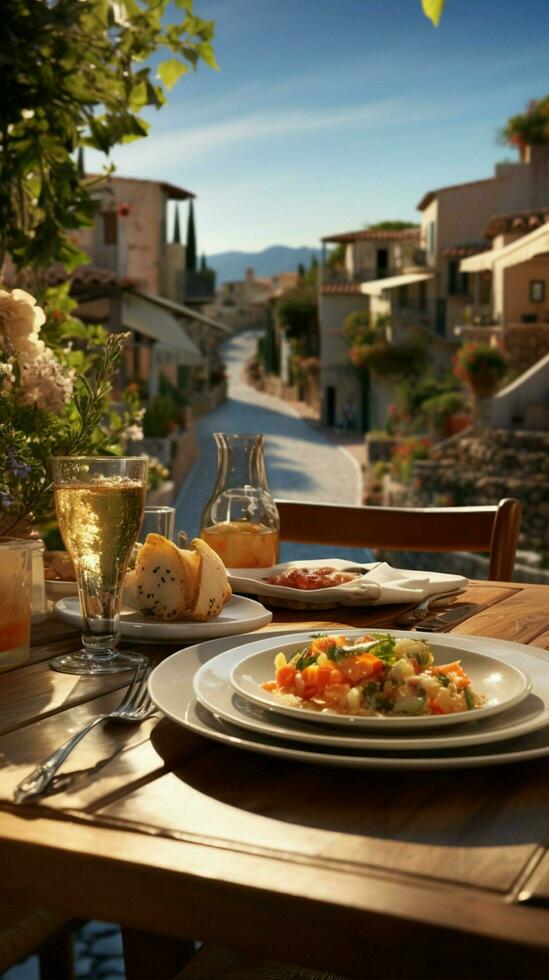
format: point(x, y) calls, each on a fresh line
point(382, 262)
point(330, 405)
point(440, 317)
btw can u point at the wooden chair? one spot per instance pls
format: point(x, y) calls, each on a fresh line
point(492, 529)
point(26, 930)
point(212, 963)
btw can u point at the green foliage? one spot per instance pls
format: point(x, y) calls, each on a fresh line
point(433, 10)
point(161, 417)
point(442, 406)
point(336, 258)
point(529, 128)
point(356, 329)
point(190, 251)
point(74, 73)
point(387, 360)
point(391, 226)
point(297, 313)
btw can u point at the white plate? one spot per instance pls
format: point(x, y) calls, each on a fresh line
point(56, 588)
point(213, 689)
point(171, 687)
point(252, 582)
point(502, 684)
point(240, 615)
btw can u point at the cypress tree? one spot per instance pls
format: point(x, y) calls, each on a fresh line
point(190, 262)
point(176, 228)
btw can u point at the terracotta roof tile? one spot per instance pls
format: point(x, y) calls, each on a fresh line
point(465, 249)
point(375, 234)
point(85, 275)
point(341, 288)
point(523, 221)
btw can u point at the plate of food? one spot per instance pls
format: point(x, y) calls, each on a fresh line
point(213, 690)
point(326, 583)
point(171, 688)
point(177, 594)
point(376, 680)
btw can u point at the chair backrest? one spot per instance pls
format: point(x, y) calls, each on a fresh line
point(493, 529)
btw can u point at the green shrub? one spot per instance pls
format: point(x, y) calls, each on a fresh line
point(161, 417)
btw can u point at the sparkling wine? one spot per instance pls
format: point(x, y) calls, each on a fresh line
point(243, 544)
point(99, 523)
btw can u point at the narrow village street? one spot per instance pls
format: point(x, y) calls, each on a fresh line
point(301, 462)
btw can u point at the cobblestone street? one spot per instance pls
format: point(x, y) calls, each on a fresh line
point(301, 462)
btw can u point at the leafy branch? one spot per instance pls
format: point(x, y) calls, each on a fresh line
point(75, 73)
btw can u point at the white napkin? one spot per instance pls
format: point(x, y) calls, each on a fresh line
point(384, 585)
point(380, 585)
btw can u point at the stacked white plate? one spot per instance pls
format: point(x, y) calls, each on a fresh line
point(214, 688)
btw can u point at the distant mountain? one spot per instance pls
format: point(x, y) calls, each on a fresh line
point(270, 262)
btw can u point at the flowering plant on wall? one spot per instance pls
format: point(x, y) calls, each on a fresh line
point(55, 383)
point(482, 367)
point(529, 128)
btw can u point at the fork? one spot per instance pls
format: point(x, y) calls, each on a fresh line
point(423, 608)
point(136, 706)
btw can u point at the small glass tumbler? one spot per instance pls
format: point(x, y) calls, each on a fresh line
point(15, 601)
point(99, 503)
point(157, 520)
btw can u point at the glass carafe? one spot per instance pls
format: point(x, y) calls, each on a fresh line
point(240, 520)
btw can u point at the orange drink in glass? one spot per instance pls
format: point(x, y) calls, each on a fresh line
point(15, 601)
point(243, 544)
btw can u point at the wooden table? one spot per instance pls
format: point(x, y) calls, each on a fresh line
point(368, 873)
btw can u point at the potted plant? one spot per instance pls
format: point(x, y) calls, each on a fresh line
point(529, 128)
point(481, 367)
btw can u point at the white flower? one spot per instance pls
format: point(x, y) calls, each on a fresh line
point(20, 320)
point(43, 382)
point(134, 432)
point(7, 377)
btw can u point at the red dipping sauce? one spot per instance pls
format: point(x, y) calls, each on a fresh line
point(324, 577)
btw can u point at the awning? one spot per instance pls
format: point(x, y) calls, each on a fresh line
point(148, 318)
point(521, 250)
point(186, 312)
point(378, 286)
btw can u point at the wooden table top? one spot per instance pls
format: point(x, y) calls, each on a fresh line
point(369, 873)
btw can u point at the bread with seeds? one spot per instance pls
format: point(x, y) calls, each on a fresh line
point(171, 583)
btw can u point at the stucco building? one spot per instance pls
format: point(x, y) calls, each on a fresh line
point(137, 280)
point(421, 278)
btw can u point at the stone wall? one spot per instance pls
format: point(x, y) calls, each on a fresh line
point(481, 468)
point(525, 344)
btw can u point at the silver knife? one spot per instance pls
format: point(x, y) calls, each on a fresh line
point(447, 619)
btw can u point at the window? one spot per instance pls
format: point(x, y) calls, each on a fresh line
point(537, 290)
point(457, 281)
point(403, 296)
point(422, 298)
point(110, 228)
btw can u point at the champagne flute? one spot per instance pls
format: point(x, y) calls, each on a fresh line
point(99, 503)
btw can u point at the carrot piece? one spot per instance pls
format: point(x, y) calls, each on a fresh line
point(285, 676)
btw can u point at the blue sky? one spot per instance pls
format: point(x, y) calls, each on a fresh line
point(326, 115)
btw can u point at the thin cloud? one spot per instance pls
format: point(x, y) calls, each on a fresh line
point(188, 144)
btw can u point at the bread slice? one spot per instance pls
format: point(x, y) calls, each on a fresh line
point(213, 586)
point(170, 583)
point(166, 579)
